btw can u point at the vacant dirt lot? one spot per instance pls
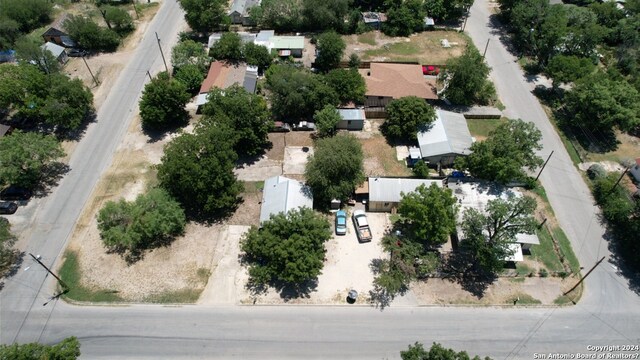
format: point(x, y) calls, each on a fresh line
point(425, 47)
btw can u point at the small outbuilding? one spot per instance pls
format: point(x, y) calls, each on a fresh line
point(239, 11)
point(288, 45)
point(281, 195)
point(58, 37)
point(385, 193)
point(57, 51)
point(444, 140)
point(352, 119)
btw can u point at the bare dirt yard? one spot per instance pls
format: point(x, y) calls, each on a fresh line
point(424, 48)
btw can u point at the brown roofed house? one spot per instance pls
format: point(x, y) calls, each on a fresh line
point(388, 81)
point(223, 75)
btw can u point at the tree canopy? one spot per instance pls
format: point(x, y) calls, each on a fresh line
point(466, 79)
point(163, 101)
point(118, 19)
point(153, 219)
point(322, 15)
point(442, 10)
point(568, 68)
point(24, 15)
point(288, 248)
point(205, 15)
point(191, 77)
point(297, 93)
point(335, 169)
point(189, 52)
point(280, 15)
point(26, 158)
point(228, 48)
point(326, 120)
point(67, 349)
point(429, 214)
point(246, 114)
point(90, 35)
point(504, 155)
point(348, 84)
point(330, 48)
point(436, 352)
point(197, 170)
point(406, 116)
point(487, 235)
point(8, 255)
point(30, 50)
point(404, 17)
point(257, 55)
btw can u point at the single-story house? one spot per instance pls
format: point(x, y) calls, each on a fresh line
point(7, 56)
point(444, 140)
point(264, 38)
point(352, 119)
point(373, 20)
point(281, 195)
point(288, 45)
point(244, 36)
point(388, 81)
point(385, 193)
point(223, 75)
point(57, 51)
point(635, 170)
point(239, 11)
point(58, 37)
point(5, 130)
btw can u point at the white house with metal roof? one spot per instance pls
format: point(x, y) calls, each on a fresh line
point(288, 45)
point(447, 138)
point(352, 119)
point(281, 195)
point(385, 193)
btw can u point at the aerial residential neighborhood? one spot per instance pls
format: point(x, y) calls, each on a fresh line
point(415, 179)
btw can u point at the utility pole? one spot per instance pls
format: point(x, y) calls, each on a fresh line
point(464, 25)
point(104, 16)
point(90, 72)
point(161, 53)
point(149, 74)
point(64, 285)
point(135, 8)
point(620, 179)
point(543, 165)
point(584, 277)
point(485, 48)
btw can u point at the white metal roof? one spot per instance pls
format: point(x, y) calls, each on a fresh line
point(55, 49)
point(449, 134)
point(288, 42)
point(390, 189)
point(352, 114)
point(281, 194)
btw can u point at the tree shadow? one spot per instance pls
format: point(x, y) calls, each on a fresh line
point(461, 269)
point(14, 257)
point(499, 29)
point(381, 297)
point(598, 141)
point(50, 177)
point(212, 217)
point(77, 133)
point(248, 160)
point(156, 134)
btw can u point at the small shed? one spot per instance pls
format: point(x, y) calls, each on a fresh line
point(58, 37)
point(385, 193)
point(281, 195)
point(444, 140)
point(352, 119)
point(57, 51)
point(288, 45)
point(239, 11)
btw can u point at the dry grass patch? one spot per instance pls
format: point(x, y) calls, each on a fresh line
point(380, 158)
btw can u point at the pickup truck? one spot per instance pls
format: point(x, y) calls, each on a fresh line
point(361, 225)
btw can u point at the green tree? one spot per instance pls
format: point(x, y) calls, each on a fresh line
point(67, 349)
point(90, 35)
point(163, 101)
point(406, 116)
point(297, 93)
point(288, 248)
point(152, 220)
point(336, 169)
point(257, 55)
point(30, 50)
point(466, 79)
point(599, 103)
point(8, 255)
point(9, 33)
point(191, 77)
point(550, 35)
point(504, 155)
point(583, 32)
point(404, 18)
point(189, 52)
point(228, 48)
point(354, 61)
point(330, 48)
point(29, 14)
point(322, 15)
point(326, 120)
point(67, 104)
point(118, 18)
point(280, 15)
point(348, 84)
point(565, 69)
point(197, 170)
point(436, 352)
point(429, 214)
point(26, 157)
point(204, 15)
point(525, 19)
point(487, 235)
point(246, 114)
point(446, 10)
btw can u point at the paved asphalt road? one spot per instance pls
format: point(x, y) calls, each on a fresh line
point(54, 221)
point(608, 315)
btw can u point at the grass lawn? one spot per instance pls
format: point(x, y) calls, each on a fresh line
point(368, 38)
point(480, 128)
point(380, 158)
point(70, 273)
point(402, 49)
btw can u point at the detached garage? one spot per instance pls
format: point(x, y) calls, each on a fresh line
point(352, 119)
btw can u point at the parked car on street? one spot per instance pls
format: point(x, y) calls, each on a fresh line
point(7, 207)
point(304, 126)
point(279, 126)
point(341, 222)
point(15, 193)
